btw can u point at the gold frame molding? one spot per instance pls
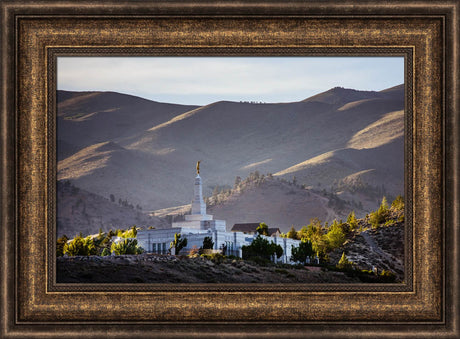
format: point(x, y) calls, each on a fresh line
point(33, 35)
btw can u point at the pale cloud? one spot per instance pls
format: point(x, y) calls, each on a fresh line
point(202, 80)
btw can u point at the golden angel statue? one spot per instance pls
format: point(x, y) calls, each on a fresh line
point(198, 167)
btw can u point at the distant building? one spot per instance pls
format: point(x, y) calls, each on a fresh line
point(199, 225)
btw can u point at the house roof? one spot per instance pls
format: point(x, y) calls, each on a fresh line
point(249, 227)
point(273, 230)
point(252, 227)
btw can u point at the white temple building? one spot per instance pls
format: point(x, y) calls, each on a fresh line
point(199, 225)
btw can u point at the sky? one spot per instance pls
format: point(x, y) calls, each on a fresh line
point(204, 80)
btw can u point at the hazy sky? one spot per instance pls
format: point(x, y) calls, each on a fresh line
point(203, 80)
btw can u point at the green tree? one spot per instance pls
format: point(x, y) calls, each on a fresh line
point(60, 243)
point(302, 233)
point(379, 216)
point(129, 233)
point(262, 229)
point(178, 243)
point(208, 244)
point(344, 263)
point(398, 203)
point(315, 233)
point(262, 248)
point(292, 233)
point(314, 230)
point(335, 235)
point(352, 221)
point(80, 246)
point(303, 251)
point(321, 246)
point(278, 250)
point(126, 246)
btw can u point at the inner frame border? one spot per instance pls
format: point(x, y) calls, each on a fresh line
point(321, 51)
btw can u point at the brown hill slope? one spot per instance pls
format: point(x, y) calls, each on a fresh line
point(81, 211)
point(276, 202)
point(107, 168)
point(373, 158)
point(86, 118)
point(154, 164)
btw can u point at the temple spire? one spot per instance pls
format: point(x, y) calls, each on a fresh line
point(198, 204)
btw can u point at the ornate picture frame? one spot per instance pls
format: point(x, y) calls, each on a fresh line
point(33, 35)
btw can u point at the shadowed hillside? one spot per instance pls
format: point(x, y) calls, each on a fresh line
point(86, 118)
point(81, 211)
point(344, 141)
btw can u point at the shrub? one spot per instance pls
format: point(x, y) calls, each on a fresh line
point(389, 222)
point(216, 258)
point(344, 263)
point(60, 243)
point(194, 252)
point(387, 276)
point(105, 252)
point(126, 246)
point(80, 246)
point(398, 203)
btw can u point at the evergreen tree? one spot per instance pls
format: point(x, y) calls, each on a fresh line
point(262, 248)
point(344, 263)
point(208, 244)
point(303, 251)
point(352, 221)
point(292, 233)
point(398, 203)
point(335, 235)
point(178, 243)
point(379, 216)
point(262, 229)
point(302, 234)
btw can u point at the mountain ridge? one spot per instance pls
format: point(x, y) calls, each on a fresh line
point(147, 150)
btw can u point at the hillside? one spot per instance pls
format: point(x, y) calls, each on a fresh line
point(347, 141)
point(82, 211)
point(278, 203)
point(169, 269)
point(87, 118)
point(382, 248)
